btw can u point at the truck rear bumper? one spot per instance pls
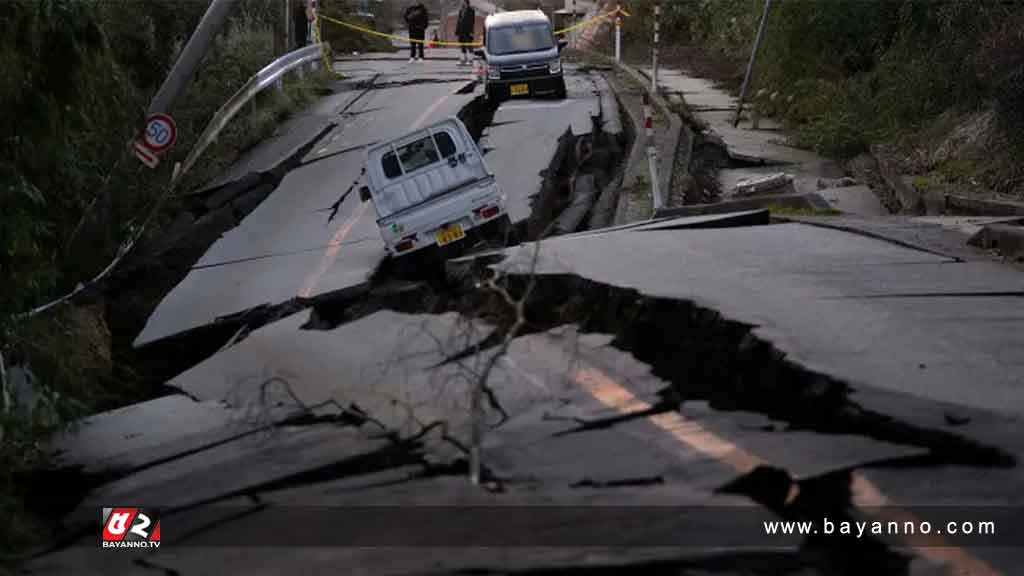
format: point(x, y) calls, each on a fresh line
point(446, 220)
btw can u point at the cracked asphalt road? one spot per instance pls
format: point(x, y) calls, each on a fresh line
point(341, 446)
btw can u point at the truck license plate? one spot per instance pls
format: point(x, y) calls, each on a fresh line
point(520, 89)
point(449, 234)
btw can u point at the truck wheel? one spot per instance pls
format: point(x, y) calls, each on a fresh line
point(501, 233)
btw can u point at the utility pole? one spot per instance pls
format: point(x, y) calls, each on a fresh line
point(654, 52)
point(753, 58)
point(574, 17)
point(198, 44)
point(618, 33)
point(442, 32)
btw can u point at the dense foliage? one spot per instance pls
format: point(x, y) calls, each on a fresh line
point(75, 80)
point(861, 71)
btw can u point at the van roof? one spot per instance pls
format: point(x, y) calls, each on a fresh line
point(516, 17)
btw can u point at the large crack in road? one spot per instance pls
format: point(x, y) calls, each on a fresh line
point(700, 354)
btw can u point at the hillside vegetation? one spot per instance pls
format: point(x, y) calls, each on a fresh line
point(941, 81)
point(76, 78)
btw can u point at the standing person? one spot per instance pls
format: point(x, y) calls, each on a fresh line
point(417, 19)
point(464, 29)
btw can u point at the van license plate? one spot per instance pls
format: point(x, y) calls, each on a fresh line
point(520, 89)
point(449, 234)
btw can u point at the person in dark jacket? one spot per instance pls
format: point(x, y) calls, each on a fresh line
point(417, 19)
point(464, 29)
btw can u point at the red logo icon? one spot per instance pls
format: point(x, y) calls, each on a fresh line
point(131, 528)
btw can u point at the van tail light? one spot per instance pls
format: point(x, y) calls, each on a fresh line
point(487, 212)
point(406, 244)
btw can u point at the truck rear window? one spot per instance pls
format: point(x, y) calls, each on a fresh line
point(417, 154)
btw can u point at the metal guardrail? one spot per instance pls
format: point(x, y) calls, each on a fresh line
point(265, 77)
point(259, 81)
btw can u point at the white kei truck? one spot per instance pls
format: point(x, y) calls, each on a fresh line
point(431, 188)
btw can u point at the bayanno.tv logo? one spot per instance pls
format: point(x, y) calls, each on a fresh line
point(131, 528)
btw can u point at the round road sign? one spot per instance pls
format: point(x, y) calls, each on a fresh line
point(160, 133)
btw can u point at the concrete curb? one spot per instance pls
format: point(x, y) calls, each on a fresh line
point(634, 159)
point(666, 150)
point(982, 206)
point(792, 201)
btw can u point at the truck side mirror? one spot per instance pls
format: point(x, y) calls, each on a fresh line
point(562, 45)
point(364, 193)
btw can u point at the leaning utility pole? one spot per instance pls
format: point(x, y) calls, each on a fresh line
point(753, 58)
point(198, 44)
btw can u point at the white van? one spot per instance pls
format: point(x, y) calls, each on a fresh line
point(431, 187)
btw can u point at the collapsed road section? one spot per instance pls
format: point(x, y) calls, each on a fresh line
point(673, 360)
point(267, 267)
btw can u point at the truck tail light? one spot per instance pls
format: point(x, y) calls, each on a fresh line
point(406, 244)
point(487, 212)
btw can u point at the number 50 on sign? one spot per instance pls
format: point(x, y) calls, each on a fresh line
point(161, 133)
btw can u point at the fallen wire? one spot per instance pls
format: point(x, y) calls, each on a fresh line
point(337, 205)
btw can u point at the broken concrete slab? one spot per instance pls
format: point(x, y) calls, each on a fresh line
point(585, 193)
point(968, 225)
point(983, 206)
point(126, 437)
point(805, 176)
point(801, 285)
point(932, 234)
point(246, 465)
point(810, 202)
point(286, 248)
point(1008, 240)
point(387, 365)
point(288, 138)
point(611, 119)
point(804, 454)
point(859, 200)
point(519, 169)
point(777, 183)
point(727, 220)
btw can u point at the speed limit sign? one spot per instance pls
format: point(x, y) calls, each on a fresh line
point(160, 133)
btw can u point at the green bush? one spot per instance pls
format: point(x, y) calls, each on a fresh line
point(888, 67)
point(75, 80)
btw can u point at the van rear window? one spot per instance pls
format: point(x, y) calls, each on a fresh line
point(416, 155)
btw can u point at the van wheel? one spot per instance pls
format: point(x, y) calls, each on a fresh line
point(494, 94)
point(560, 91)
